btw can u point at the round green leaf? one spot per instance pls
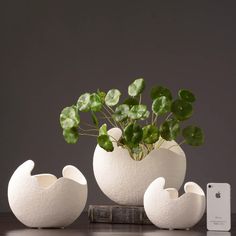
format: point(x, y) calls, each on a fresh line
point(137, 153)
point(159, 91)
point(105, 143)
point(133, 134)
point(69, 118)
point(83, 103)
point(150, 134)
point(161, 105)
point(186, 95)
point(145, 115)
point(102, 95)
point(136, 150)
point(103, 130)
point(121, 112)
point(131, 101)
point(137, 112)
point(193, 135)
point(136, 87)
point(170, 129)
point(112, 97)
point(71, 136)
point(95, 102)
point(182, 109)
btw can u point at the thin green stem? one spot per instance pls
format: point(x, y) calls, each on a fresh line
point(122, 127)
point(108, 119)
point(144, 144)
point(140, 99)
point(89, 125)
point(116, 140)
point(110, 109)
point(155, 119)
point(160, 142)
point(104, 117)
point(175, 145)
point(87, 130)
point(85, 134)
point(169, 115)
point(116, 124)
point(107, 110)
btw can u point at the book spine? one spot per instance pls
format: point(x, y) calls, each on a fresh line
point(117, 215)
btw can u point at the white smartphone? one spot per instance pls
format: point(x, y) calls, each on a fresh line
point(218, 207)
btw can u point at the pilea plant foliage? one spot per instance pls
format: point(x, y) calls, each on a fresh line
point(142, 129)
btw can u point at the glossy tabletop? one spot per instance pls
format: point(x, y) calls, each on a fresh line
point(10, 226)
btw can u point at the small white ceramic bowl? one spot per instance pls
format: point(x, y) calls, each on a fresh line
point(42, 200)
point(167, 210)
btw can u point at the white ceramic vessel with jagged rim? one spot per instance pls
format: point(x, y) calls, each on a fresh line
point(42, 200)
point(166, 209)
point(125, 180)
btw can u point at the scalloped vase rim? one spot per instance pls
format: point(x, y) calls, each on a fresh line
point(58, 179)
point(181, 153)
point(199, 191)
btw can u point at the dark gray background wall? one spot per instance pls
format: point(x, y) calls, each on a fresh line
point(52, 51)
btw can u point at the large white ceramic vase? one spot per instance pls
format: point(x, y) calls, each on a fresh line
point(125, 180)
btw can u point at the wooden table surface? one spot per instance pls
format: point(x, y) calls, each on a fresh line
point(10, 226)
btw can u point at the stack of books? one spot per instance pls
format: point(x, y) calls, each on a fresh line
point(117, 214)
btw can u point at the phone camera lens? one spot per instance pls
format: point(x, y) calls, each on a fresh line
point(209, 186)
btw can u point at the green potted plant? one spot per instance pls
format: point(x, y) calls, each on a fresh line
point(141, 142)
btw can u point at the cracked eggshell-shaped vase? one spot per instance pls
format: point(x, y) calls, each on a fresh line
point(125, 180)
point(42, 200)
point(167, 210)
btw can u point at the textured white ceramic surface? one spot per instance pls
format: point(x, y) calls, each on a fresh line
point(45, 201)
point(125, 180)
point(167, 210)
